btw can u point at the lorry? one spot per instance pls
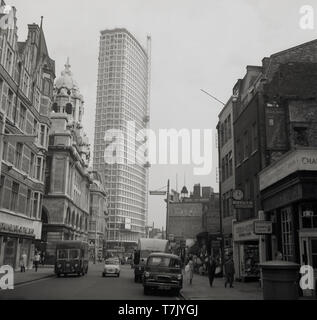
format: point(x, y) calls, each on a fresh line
point(145, 247)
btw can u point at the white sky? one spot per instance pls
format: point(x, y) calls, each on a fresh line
point(196, 44)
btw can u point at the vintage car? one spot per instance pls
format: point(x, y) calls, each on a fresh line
point(163, 271)
point(112, 267)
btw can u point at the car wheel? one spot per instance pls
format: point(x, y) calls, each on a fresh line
point(103, 275)
point(58, 275)
point(146, 291)
point(135, 278)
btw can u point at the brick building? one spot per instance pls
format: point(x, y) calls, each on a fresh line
point(274, 112)
point(196, 216)
point(66, 202)
point(26, 86)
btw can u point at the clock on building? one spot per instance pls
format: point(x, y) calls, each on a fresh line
point(237, 195)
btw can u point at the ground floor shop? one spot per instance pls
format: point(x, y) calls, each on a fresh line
point(288, 192)
point(247, 247)
point(18, 236)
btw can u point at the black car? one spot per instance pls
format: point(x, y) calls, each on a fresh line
point(163, 271)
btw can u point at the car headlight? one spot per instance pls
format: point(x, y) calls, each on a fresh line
point(179, 277)
point(76, 265)
point(146, 274)
point(59, 266)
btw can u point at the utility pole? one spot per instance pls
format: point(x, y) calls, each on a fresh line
point(167, 206)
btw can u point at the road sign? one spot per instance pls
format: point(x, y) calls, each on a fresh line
point(262, 227)
point(157, 193)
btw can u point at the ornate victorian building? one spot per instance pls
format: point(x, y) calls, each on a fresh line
point(26, 86)
point(66, 201)
point(98, 219)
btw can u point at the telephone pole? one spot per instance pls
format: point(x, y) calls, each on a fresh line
point(167, 207)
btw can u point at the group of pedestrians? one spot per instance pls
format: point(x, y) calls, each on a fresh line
point(39, 258)
point(212, 265)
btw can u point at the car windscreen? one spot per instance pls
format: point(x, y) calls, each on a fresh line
point(163, 262)
point(62, 254)
point(111, 262)
point(73, 254)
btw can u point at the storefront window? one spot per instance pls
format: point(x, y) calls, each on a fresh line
point(309, 216)
point(314, 253)
point(287, 234)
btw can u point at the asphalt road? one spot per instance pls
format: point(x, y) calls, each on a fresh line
point(92, 286)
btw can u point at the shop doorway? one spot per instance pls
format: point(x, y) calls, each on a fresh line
point(10, 251)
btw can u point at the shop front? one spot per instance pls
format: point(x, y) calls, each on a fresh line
point(246, 251)
point(289, 201)
point(17, 236)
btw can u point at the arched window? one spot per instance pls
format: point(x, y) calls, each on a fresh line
point(55, 107)
point(69, 108)
point(73, 218)
point(67, 220)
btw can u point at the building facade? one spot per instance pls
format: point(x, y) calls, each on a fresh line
point(227, 171)
point(122, 106)
point(195, 217)
point(98, 217)
point(66, 202)
point(270, 119)
point(26, 86)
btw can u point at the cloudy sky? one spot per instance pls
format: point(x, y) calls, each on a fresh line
point(196, 44)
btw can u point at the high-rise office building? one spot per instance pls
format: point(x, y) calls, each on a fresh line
point(123, 104)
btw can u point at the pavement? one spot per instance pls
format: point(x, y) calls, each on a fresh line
point(201, 290)
point(32, 275)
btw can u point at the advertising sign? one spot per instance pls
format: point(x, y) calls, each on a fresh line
point(242, 204)
point(262, 227)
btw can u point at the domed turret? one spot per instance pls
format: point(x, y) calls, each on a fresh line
point(66, 79)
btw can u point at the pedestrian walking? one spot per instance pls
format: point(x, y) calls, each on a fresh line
point(211, 267)
point(189, 270)
point(229, 272)
point(37, 259)
point(42, 258)
point(23, 261)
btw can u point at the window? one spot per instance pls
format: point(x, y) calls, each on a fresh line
point(9, 103)
point(301, 136)
point(254, 138)
point(309, 216)
point(229, 127)
point(5, 150)
point(18, 155)
point(230, 164)
point(32, 164)
point(35, 204)
point(38, 168)
point(245, 145)
point(28, 203)
point(8, 64)
point(42, 135)
point(14, 196)
point(1, 187)
point(287, 234)
point(22, 117)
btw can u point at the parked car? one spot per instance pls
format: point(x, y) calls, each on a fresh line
point(112, 267)
point(163, 271)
